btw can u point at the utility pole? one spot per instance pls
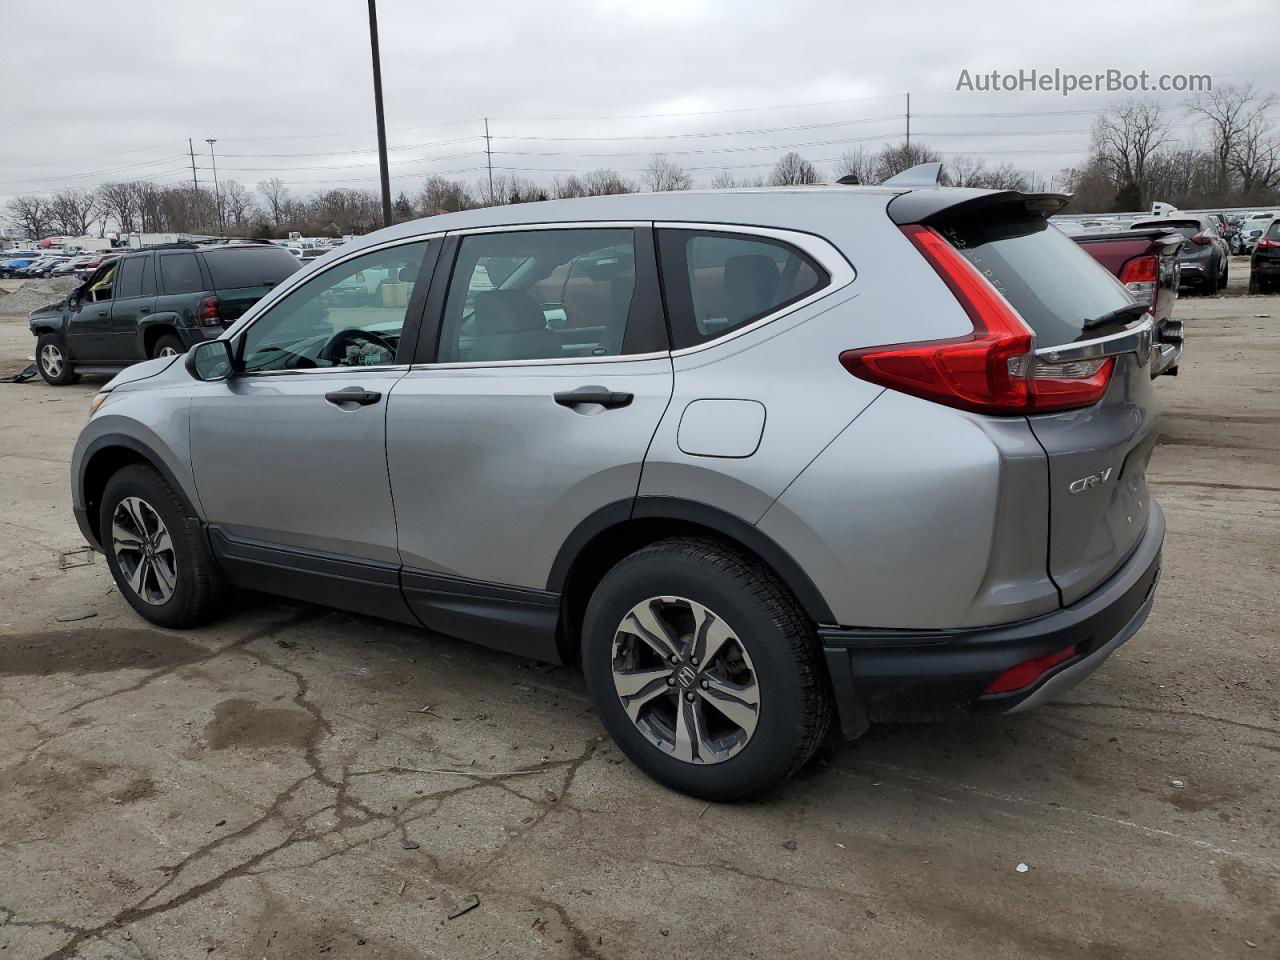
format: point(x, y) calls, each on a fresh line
point(908, 122)
point(488, 155)
point(195, 182)
point(377, 106)
point(217, 195)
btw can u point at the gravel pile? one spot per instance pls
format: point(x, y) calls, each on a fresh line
point(33, 294)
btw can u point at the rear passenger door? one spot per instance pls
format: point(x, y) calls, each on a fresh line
point(527, 410)
point(134, 300)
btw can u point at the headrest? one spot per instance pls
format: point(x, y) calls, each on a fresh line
point(507, 311)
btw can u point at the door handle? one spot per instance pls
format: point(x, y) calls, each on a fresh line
point(102, 313)
point(144, 309)
point(606, 398)
point(353, 395)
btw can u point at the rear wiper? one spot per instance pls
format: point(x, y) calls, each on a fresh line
point(1130, 311)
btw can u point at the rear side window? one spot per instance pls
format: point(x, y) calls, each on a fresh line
point(1274, 232)
point(238, 267)
point(1048, 278)
point(129, 282)
point(180, 273)
point(718, 282)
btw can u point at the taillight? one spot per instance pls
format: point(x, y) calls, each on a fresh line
point(1140, 277)
point(992, 370)
point(1028, 672)
point(207, 312)
point(1268, 245)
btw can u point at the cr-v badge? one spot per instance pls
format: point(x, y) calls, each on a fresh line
point(1093, 480)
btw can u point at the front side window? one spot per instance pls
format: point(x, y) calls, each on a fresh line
point(540, 295)
point(718, 282)
point(351, 315)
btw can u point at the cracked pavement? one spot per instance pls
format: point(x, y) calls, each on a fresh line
point(298, 782)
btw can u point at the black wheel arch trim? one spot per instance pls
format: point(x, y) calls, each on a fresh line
point(700, 514)
point(123, 440)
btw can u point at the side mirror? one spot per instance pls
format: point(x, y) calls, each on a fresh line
point(210, 361)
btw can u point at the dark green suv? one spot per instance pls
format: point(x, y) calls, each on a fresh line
point(153, 303)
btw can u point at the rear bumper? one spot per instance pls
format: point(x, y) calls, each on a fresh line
point(883, 675)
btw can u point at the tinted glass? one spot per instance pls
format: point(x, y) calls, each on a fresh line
point(180, 273)
point(1274, 232)
point(350, 315)
point(237, 267)
point(717, 282)
point(129, 283)
point(539, 295)
point(1048, 278)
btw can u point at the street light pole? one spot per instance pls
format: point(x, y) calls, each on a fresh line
point(217, 196)
point(377, 106)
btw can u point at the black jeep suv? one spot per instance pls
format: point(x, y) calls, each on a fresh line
point(153, 303)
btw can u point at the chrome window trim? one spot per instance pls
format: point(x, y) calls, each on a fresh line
point(1135, 339)
point(825, 253)
point(289, 291)
point(821, 250)
point(557, 225)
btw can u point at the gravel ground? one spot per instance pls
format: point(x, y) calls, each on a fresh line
point(294, 782)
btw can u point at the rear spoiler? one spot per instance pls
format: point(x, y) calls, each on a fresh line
point(936, 203)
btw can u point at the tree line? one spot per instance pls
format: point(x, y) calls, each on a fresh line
point(1229, 158)
point(272, 210)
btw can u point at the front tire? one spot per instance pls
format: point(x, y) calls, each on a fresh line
point(156, 550)
point(53, 363)
point(705, 670)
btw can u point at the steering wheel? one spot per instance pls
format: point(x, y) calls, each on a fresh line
point(335, 349)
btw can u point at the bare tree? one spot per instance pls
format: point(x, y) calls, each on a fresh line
point(74, 211)
point(570, 186)
point(440, 195)
point(1232, 113)
point(858, 163)
point(969, 171)
point(723, 181)
point(32, 215)
point(1257, 161)
point(903, 156)
point(604, 182)
point(119, 203)
point(237, 203)
point(792, 169)
point(1125, 140)
point(664, 174)
point(276, 196)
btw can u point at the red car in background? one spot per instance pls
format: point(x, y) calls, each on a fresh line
point(1146, 261)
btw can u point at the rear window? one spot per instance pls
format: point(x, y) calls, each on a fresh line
point(249, 266)
point(1048, 278)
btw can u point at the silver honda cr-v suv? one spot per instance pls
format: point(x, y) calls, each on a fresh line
point(753, 458)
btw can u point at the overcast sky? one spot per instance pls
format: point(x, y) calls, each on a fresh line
point(112, 90)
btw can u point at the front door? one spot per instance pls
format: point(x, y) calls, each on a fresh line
point(289, 455)
point(89, 331)
point(532, 415)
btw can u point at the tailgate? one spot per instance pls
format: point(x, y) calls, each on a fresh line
point(1097, 454)
point(1098, 499)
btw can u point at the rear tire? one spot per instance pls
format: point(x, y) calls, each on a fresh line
point(53, 363)
point(740, 640)
point(167, 346)
point(156, 550)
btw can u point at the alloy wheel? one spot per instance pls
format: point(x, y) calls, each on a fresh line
point(144, 551)
point(51, 360)
point(167, 352)
point(685, 680)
